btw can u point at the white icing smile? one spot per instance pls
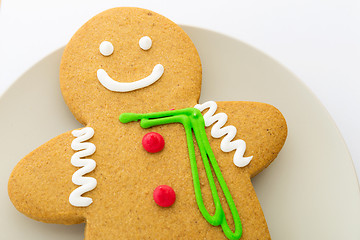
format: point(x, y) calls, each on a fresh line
point(115, 86)
point(106, 49)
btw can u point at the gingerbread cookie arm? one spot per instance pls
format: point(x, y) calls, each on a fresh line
point(41, 183)
point(262, 128)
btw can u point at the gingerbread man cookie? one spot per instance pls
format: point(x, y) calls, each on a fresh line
point(151, 162)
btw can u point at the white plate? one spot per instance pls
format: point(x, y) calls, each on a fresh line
point(309, 192)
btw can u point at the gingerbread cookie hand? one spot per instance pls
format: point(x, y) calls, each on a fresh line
point(260, 125)
point(41, 183)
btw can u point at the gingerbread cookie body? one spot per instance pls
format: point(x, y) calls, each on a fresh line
point(135, 63)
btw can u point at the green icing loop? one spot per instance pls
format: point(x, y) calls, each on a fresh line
point(193, 121)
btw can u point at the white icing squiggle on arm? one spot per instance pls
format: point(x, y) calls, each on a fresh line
point(217, 131)
point(87, 165)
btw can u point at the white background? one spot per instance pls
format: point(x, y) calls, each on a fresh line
point(319, 41)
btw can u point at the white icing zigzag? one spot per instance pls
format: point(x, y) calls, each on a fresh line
point(218, 131)
point(87, 165)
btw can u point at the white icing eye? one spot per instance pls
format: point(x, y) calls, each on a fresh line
point(145, 43)
point(106, 48)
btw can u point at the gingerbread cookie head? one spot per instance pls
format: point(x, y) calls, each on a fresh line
point(127, 56)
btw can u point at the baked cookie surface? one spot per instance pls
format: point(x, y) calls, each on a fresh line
point(121, 203)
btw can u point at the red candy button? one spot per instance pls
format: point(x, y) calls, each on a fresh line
point(164, 196)
point(153, 142)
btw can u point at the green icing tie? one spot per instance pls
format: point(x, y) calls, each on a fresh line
point(193, 121)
